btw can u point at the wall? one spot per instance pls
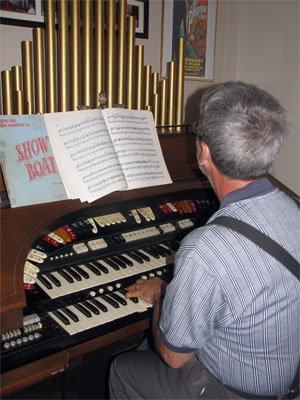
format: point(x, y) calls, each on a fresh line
point(257, 41)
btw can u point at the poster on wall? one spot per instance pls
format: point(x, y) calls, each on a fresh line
point(195, 20)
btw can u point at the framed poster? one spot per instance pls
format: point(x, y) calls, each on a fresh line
point(140, 10)
point(195, 20)
point(22, 13)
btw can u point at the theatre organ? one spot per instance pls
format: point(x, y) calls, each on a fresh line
point(82, 256)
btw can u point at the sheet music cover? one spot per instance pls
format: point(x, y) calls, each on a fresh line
point(28, 165)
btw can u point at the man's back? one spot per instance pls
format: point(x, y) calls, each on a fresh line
point(245, 322)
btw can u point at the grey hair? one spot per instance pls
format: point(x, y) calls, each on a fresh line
point(244, 128)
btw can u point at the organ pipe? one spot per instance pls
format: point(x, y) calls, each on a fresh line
point(92, 51)
point(99, 52)
point(7, 96)
point(121, 51)
point(75, 56)
point(39, 70)
point(27, 67)
point(51, 102)
point(87, 54)
point(111, 56)
point(63, 56)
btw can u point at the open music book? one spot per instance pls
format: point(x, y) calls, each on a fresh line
point(96, 152)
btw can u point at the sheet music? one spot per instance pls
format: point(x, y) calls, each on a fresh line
point(85, 154)
point(136, 143)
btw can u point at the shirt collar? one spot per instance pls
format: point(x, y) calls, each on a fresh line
point(259, 187)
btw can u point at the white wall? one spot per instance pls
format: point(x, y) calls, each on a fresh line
point(257, 41)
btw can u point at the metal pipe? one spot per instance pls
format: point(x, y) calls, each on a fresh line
point(39, 70)
point(99, 50)
point(130, 63)
point(111, 50)
point(50, 56)
point(27, 67)
point(121, 51)
point(63, 55)
point(75, 56)
point(139, 77)
point(171, 92)
point(7, 96)
point(148, 93)
point(180, 83)
point(87, 53)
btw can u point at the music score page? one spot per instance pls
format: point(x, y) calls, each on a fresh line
point(101, 151)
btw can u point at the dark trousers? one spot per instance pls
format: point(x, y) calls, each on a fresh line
point(141, 374)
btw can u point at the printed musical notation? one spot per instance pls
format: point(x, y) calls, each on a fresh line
point(100, 151)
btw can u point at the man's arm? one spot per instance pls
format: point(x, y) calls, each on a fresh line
point(152, 291)
point(173, 359)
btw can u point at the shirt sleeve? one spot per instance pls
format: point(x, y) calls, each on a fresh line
point(194, 305)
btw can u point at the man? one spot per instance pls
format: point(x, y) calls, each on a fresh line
point(229, 320)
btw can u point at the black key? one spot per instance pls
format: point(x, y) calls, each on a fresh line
point(45, 282)
point(135, 257)
point(112, 264)
point(110, 301)
point(142, 255)
point(60, 316)
point(151, 251)
point(65, 275)
point(70, 314)
point(93, 268)
point(91, 308)
point(163, 251)
point(133, 299)
point(81, 271)
point(118, 298)
point(101, 267)
point(98, 304)
point(166, 249)
point(74, 274)
point(83, 310)
point(119, 262)
point(125, 260)
point(53, 279)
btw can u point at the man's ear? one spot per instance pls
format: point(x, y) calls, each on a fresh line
point(203, 153)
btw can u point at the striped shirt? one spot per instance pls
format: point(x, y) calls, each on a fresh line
point(234, 304)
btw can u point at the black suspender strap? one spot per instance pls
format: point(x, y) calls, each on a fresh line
point(275, 250)
point(262, 240)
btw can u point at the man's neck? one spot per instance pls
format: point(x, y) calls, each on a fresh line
point(224, 185)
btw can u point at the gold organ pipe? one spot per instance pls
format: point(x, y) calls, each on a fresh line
point(50, 56)
point(139, 77)
point(121, 51)
point(111, 50)
point(130, 63)
point(87, 55)
point(99, 49)
point(27, 66)
point(180, 83)
point(7, 96)
point(39, 71)
point(155, 82)
point(155, 108)
point(18, 100)
point(75, 56)
point(171, 93)
point(163, 102)
point(63, 56)
point(147, 85)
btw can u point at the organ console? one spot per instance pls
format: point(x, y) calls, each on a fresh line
point(81, 258)
point(65, 265)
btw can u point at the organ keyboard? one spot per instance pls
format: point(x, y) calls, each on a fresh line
point(77, 269)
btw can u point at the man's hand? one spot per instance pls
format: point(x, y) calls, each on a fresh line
point(149, 290)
